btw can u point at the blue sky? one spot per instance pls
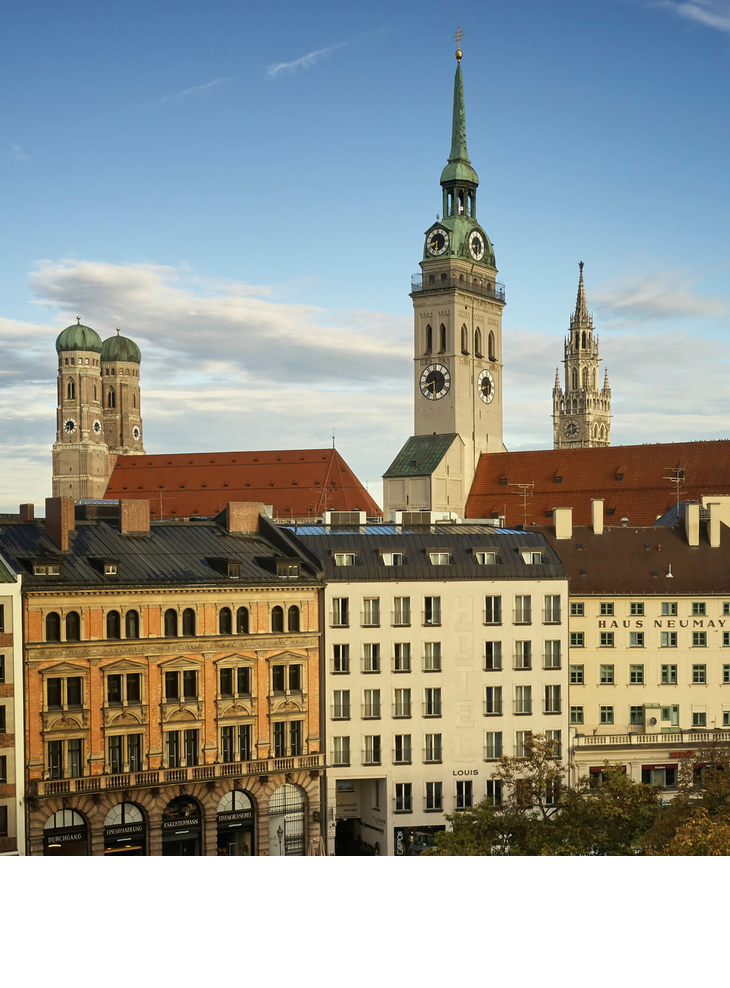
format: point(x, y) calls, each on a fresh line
point(244, 190)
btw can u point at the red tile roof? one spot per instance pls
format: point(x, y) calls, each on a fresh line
point(299, 483)
point(641, 495)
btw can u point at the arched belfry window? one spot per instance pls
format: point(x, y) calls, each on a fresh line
point(277, 619)
point(577, 341)
point(70, 390)
point(429, 339)
point(491, 351)
point(442, 341)
point(574, 379)
point(464, 340)
point(111, 399)
point(293, 619)
point(478, 342)
point(242, 621)
point(584, 340)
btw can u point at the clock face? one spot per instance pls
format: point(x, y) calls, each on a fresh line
point(136, 433)
point(437, 242)
point(485, 386)
point(571, 429)
point(69, 425)
point(476, 245)
point(96, 427)
point(435, 381)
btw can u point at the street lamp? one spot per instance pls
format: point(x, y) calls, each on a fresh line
point(279, 834)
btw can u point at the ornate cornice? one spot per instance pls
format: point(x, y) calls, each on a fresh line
point(101, 650)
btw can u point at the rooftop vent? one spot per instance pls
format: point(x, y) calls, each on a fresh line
point(337, 518)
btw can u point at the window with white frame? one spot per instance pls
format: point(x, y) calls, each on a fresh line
point(493, 745)
point(432, 610)
point(439, 558)
point(393, 558)
point(402, 703)
point(371, 753)
point(552, 700)
point(668, 639)
point(341, 612)
point(523, 699)
point(402, 749)
point(371, 612)
point(341, 705)
point(371, 704)
point(493, 701)
point(552, 654)
point(522, 742)
point(523, 655)
point(494, 792)
point(523, 609)
point(669, 608)
point(402, 657)
point(531, 556)
point(432, 702)
point(555, 738)
point(464, 794)
point(341, 659)
point(403, 797)
point(371, 657)
point(489, 557)
point(341, 751)
point(493, 656)
point(432, 656)
point(552, 609)
point(433, 748)
point(344, 559)
point(401, 611)
point(493, 610)
point(434, 796)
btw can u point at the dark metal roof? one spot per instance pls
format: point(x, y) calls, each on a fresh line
point(420, 456)
point(461, 541)
point(176, 553)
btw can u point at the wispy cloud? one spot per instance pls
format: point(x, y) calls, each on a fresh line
point(660, 296)
point(17, 153)
point(194, 90)
point(708, 12)
point(305, 62)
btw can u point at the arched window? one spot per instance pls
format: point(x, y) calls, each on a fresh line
point(111, 399)
point(574, 379)
point(170, 623)
point(113, 625)
point(293, 619)
point(242, 621)
point(577, 341)
point(429, 339)
point(131, 624)
point(70, 390)
point(64, 820)
point(491, 351)
point(442, 340)
point(123, 813)
point(53, 627)
point(94, 392)
point(595, 431)
point(584, 339)
point(603, 432)
point(188, 622)
point(478, 342)
point(73, 627)
point(464, 340)
point(277, 619)
point(225, 621)
point(585, 377)
point(286, 821)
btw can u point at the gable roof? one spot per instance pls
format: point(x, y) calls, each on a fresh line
point(642, 494)
point(420, 456)
point(299, 483)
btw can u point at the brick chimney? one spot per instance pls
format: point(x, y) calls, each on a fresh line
point(563, 523)
point(243, 516)
point(597, 515)
point(60, 520)
point(692, 523)
point(134, 516)
point(27, 512)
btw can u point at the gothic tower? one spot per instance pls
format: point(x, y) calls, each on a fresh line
point(581, 413)
point(120, 363)
point(457, 304)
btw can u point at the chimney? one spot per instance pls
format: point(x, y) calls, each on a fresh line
point(597, 515)
point(243, 516)
point(713, 523)
point(563, 523)
point(692, 523)
point(27, 512)
point(60, 520)
point(134, 516)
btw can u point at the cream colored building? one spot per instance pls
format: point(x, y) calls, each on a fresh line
point(649, 666)
point(444, 648)
point(12, 773)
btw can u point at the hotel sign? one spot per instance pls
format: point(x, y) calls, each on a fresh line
point(667, 623)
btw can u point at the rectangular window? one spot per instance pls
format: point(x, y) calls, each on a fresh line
point(245, 742)
point(552, 654)
point(530, 557)
point(134, 687)
point(432, 610)
point(402, 611)
point(432, 656)
point(73, 691)
point(699, 718)
point(725, 639)
point(3, 768)
point(278, 679)
point(493, 655)
point(296, 735)
point(577, 675)
point(134, 752)
point(433, 796)
point(464, 795)
point(523, 609)
point(114, 690)
point(344, 559)
point(403, 797)
point(403, 749)
point(372, 749)
point(523, 655)
point(699, 608)
point(341, 751)
point(341, 612)
point(669, 675)
point(371, 612)
point(636, 608)
point(726, 718)
point(726, 607)
point(493, 747)
point(341, 706)
point(726, 674)
point(556, 737)
point(371, 657)
point(488, 558)
point(432, 705)
point(172, 686)
point(668, 639)
point(190, 684)
point(371, 704)
point(699, 639)
point(55, 759)
point(636, 715)
point(116, 759)
point(552, 700)
point(576, 715)
point(2, 668)
point(75, 758)
point(402, 703)
point(636, 675)
point(606, 608)
point(664, 778)
point(606, 675)
point(669, 608)
point(190, 740)
point(227, 752)
point(522, 742)
point(671, 714)
point(433, 748)
point(280, 739)
point(341, 659)
point(607, 715)
point(2, 617)
point(402, 657)
point(699, 674)
point(552, 609)
point(393, 558)
point(492, 610)
point(636, 639)
point(577, 608)
point(494, 792)
point(226, 682)
point(172, 749)
point(439, 558)
point(295, 678)
point(493, 701)
point(243, 680)
point(577, 639)
point(523, 699)
point(606, 640)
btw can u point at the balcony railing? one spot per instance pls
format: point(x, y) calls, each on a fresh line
point(470, 283)
point(169, 776)
point(671, 739)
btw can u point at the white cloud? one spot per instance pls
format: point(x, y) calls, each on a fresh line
point(194, 89)
point(663, 295)
point(305, 62)
point(17, 153)
point(706, 12)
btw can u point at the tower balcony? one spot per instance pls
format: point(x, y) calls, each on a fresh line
point(477, 284)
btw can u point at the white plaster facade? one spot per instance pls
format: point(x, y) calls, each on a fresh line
point(12, 776)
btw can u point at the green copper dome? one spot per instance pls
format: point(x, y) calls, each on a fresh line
point(120, 348)
point(78, 337)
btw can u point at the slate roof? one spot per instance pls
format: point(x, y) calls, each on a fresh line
point(642, 495)
point(299, 483)
point(6, 576)
point(368, 542)
point(420, 456)
point(638, 561)
point(172, 553)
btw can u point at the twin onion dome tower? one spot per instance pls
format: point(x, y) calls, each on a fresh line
point(98, 415)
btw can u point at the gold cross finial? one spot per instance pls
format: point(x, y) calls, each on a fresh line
point(458, 38)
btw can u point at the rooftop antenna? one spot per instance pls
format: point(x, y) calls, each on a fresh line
point(334, 430)
point(677, 478)
point(525, 492)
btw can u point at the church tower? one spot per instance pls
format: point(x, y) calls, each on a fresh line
point(581, 413)
point(120, 363)
point(457, 304)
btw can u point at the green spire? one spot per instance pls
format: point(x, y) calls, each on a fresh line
point(459, 167)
